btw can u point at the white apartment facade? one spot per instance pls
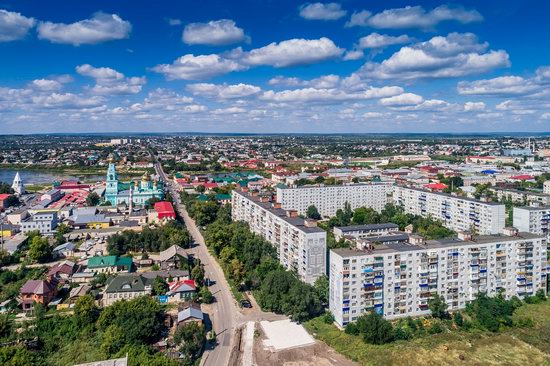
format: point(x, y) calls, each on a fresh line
point(301, 245)
point(328, 199)
point(398, 280)
point(535, 220)
point(525, 197)
point(456, 213)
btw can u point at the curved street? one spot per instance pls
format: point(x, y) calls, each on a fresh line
point(225, 314)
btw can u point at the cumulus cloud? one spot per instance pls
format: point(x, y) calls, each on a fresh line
point(46, 84)
point(320, 11)
point(285, 81)
point(474, 106)
point(451, 56)
point(508, 85)
point(110, 81)
point(223, 91)
point(14, 26)
point(328, 95)
point(214, 33)
point(291, 52)
point(402, 100)
point(375, 40)
point(230, 110)
point(67, 101)
point(191, 67)
point(413, 17)
point(100, 28)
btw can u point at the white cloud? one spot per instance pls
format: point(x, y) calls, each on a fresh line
point(402, 100)
point(174, 22)
point(46, 85)
point(223, 91)
point(545, 116)
point(67, 101)
point(413, 17)
point(328, 95)
point(452, 56)
point(353, 55)
point(230, 110)
point(214, 33)
point(100, 28)
point(474, 106)
point(14, 26)
point(286, 81)
point(375, 40)
point(503, 85)
point(290, 53)
point(369, 115)
point(191, 67)
point(110, 81)
point(320, 11)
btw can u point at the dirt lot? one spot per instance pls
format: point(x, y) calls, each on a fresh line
point(318, 354)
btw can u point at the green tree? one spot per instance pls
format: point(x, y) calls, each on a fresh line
point(190, 337)
point(322, 287)
point(313, 213)
point(375, 329)
point(438, 306)
point(39, 249)
point(206, 295)
point(160, 287)
point(92, 199)
point(86, 310)
point(197, 273)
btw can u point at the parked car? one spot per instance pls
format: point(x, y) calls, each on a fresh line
point(246, 304)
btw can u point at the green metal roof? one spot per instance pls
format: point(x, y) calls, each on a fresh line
point(102, 261)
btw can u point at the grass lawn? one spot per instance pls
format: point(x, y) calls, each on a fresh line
point(516, 346)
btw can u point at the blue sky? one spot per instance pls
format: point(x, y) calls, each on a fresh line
point(274, 66)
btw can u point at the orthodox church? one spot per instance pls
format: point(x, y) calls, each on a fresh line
point(136, 192)
point(17, 185)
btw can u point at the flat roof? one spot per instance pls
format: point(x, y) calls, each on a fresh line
point(387, 225)
point(297, 222)
point(451, 196)
point(434, 244)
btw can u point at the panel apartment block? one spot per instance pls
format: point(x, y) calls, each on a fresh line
point(398, 280)
point(456, 213)
point(532, 219)
point(328, 199)
point(301, 245)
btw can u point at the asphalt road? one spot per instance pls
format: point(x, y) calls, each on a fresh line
point(225, 315)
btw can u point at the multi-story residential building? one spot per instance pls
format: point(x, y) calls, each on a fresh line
point(328, 199)
point(525, 197)
point(456, 213)
point(546, 187)
point(45, 222)
point(301, 245)
point(126, 287)
point(535, 220)
point(398, 280)
point(361, 231)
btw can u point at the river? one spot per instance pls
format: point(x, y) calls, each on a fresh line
point(41, 176)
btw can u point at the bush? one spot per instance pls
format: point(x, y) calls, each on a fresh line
point(328, 318)
point(375, 329)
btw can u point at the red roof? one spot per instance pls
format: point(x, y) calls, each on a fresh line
point(436, 186)
point(3, 196)
point(164, 209)
point(523, 177)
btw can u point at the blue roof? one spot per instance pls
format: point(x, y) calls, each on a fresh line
point(489, 171)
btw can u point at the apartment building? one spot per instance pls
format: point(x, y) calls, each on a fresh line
point(301, 245)
point(328, 199)
point(398, 280)
point(525, 197)
point(532, 219)
point(362, 231)
point(546, 187)
point(44, 222)
point(456, 213)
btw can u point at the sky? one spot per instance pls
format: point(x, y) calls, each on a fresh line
point(274, 66)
